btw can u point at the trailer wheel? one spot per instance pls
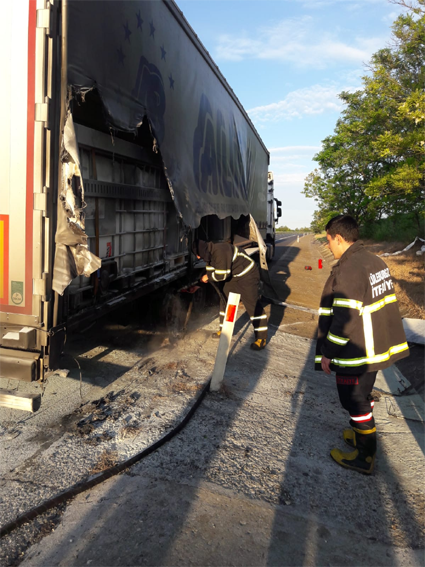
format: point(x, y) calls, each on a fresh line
point(199, 299)
point(173, 312)
point(270, 251)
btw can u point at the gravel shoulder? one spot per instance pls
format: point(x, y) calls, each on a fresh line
point(249, 481)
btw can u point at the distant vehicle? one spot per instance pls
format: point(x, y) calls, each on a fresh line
point(274, 212)
point(121, 142)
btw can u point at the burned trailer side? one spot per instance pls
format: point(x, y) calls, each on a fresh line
point(165, 147)
point(134, 144)
point(130, 219)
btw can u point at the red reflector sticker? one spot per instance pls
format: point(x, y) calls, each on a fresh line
point(230, 315)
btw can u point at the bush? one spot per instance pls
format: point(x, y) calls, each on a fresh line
point(397, 228)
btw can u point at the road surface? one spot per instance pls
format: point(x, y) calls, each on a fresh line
point(249, 481)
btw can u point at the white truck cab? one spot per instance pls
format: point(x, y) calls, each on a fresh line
point(274, 212)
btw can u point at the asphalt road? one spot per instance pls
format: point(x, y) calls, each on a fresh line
point(249, 481)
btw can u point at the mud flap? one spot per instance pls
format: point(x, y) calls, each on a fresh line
point(255, 235)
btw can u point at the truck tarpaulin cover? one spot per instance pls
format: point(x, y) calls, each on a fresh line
point(72, 256)
point(145, 60)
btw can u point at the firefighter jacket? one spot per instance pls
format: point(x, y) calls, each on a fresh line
point(227, 261)
point(360, 327)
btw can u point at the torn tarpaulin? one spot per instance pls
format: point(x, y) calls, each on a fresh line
point(214, 160)
point(72, 257)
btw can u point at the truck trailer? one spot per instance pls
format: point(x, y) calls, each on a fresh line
point(122, 141)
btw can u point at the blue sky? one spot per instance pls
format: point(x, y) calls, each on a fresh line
point(287, 60)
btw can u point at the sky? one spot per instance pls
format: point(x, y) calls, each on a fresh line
point(287, 61)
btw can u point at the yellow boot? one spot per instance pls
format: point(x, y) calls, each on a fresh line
point(355, 461)
point(350, 437)
point(259, 344)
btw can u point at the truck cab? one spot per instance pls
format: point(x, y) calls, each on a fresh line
point(274, 212)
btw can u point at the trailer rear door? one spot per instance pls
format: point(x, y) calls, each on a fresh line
point(17, 157)
point(26, 55)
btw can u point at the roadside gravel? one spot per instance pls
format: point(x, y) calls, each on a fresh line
point(249, 481)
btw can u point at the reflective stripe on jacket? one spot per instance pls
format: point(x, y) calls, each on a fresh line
point(360, 328)
point(227, 261)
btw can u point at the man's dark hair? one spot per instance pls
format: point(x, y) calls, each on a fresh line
point(345, 226)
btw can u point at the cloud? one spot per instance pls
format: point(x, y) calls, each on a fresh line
point(294, 148)
point(290, 179)
point(287, 161)
point(318, 5)
point(296, 41)
point(349, 4)
point(309, 101)
point(290, 155)
point(392, 16)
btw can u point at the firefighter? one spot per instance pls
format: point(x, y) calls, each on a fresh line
point(231, 266)
point(360, 332)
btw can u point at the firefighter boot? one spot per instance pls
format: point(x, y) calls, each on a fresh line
point(350, 437)
point(356, 461)
point(259, 344)
point(216, 335)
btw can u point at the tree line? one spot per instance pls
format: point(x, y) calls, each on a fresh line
point(373, 165)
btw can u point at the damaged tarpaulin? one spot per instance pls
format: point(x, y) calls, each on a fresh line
point(214, 160)
point(73, 257)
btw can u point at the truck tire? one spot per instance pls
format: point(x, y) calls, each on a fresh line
point(270, 252)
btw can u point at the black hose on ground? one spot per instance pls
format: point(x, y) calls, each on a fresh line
point(104, 475)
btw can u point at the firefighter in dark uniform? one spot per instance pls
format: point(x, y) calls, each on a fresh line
point(360, 332)
point(231, 266)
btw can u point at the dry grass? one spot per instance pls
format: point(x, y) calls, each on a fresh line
point(408, 275)
point(106, 460)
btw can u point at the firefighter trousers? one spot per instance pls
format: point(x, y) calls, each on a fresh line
point(355, 395)
point(248, 288)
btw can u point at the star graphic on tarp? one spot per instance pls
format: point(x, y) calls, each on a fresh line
point(139, 21)
point(152, 34)
point(121, 55)
point(127, 32)
point(170, 78)
point(163, 53)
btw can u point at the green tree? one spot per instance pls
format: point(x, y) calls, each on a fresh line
point(374, 163)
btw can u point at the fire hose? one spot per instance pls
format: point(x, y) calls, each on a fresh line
point(98, 478)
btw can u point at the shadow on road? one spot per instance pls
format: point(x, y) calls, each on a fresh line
point(369, 508)
point(165, 488)
point(166, 529)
